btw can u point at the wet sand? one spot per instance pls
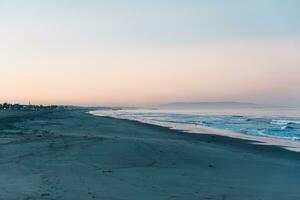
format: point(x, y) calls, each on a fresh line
point(74, 155)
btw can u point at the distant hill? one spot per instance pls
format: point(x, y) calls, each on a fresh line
point(210, 105)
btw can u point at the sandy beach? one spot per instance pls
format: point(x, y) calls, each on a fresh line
point(74, 155)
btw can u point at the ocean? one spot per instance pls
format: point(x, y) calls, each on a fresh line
point(274, 123)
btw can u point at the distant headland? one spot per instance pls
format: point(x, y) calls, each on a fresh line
point(215, 105)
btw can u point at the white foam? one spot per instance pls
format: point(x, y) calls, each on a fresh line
point(283, 122)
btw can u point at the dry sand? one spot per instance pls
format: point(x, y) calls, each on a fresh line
point(73, 155)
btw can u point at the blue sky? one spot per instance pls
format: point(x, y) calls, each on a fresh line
point(157, 21)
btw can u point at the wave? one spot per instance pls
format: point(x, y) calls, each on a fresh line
point(284, 122)
point(259, 120)
point(270, 126)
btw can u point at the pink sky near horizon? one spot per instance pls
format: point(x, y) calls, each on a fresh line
point(256, 71)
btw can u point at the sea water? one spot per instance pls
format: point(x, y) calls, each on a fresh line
point(275, 123)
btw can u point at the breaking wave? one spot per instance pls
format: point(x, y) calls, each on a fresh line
point(270, 126)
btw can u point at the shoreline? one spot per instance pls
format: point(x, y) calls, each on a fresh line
point(210, 138)
point(198, 129)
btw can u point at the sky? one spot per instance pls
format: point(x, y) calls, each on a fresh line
point(129, 52)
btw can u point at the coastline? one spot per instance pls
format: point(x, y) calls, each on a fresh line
point(199, 129)
point(75, 155)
